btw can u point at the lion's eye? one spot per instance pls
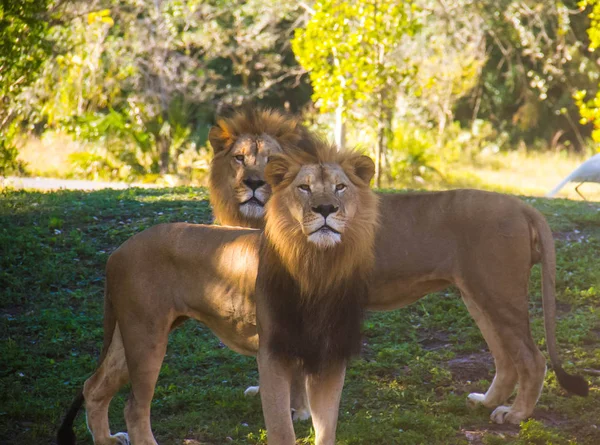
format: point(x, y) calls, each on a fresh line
point(239, 158)
point(304, 187)
point(340, 187)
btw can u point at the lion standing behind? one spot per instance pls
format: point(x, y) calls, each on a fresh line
point(242, 145)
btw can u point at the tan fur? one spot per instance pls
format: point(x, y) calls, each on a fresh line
point(154, 281)
point(485, 244)
point(309, 291)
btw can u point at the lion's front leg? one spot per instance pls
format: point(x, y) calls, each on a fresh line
point(324, 394)
point(275, 377)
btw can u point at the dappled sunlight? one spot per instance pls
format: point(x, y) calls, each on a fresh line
point(237, 261)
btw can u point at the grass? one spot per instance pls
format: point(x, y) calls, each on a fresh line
point(409, 386)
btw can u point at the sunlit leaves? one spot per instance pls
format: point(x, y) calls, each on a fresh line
point(589, 108)
point(350, 48)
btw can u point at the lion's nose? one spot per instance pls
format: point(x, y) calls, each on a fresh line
point(325, 209)
point(253, 184)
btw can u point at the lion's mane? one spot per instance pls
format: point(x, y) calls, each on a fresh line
point(317, 295)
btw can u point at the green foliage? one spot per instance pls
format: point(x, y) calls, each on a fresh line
point(144, 79)
point(23, 44)
point(534, 58)
point(408, 386)
point(23, 48)
point(350, 50)
point(590, 109)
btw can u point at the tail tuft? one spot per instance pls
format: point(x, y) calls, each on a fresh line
point(573, 383)
point(65, 434)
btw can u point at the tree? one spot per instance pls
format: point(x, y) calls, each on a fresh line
point(23, 47)
point(152, 74)
point(351, 51)
point(536, 60)
point(590, 108)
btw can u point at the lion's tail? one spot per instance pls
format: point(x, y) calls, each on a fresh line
point(65, 434)
point(572, 383)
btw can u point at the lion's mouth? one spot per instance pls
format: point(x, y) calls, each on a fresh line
point(325, 229)
point(253, 201)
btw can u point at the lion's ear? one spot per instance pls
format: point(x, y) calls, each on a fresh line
point(363, 167)
point(220, 137)
point(276, 169)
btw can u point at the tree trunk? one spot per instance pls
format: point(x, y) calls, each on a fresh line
point(378, 152)
point(340, 126)
point(164, 145)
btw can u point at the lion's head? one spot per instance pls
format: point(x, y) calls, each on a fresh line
point(242, 144)
point(322, 207)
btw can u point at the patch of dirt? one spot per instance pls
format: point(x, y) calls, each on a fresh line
point(474, 434)
point(434, 340)
point(472, 367)
point(11, 311)
point(570, 236)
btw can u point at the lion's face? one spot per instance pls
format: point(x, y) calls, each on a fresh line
point(242, 145)
point(247, 159)
point(322, 201)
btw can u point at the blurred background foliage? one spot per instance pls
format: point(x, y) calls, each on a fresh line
point(128, 89)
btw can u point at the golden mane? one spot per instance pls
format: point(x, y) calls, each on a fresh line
point(285, 129)
point(354, 256)
point(315, 296)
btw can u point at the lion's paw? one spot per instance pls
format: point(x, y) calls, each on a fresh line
point(121, 439)
point(505, 414)
point(300, 414)
point(475, 400)
point(252, 391)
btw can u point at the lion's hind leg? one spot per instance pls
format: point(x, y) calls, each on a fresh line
point(506, 375)
point(99, 390)
point(145, 348)
point(507, 317)
point(299, 397)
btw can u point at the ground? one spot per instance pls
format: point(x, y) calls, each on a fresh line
point(409, 385)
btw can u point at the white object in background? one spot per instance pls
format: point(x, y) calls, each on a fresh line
point(589, 171)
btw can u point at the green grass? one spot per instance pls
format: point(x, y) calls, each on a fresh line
point(409, 386)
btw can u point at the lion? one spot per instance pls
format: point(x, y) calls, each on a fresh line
point(483, 243)
point(172, 272)
point(315, 261)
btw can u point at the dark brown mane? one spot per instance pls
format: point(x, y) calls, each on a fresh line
point(310, 329)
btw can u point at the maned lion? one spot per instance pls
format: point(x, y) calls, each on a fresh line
point(241, 148)
point(315, 260)
point(172, 272)
point(481, 242)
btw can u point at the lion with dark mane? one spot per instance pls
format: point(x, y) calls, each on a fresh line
point(484, 244)
point(316, 258)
